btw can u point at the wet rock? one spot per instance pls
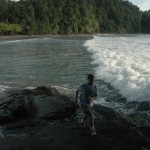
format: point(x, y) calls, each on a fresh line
point(130, 105)
point(41, 90)
point(33, 133)
point(114, 133)
point(15, 105)
point(46, 102)
point(55, 107)
point(143, 106)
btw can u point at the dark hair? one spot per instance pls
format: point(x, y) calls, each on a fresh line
point(90, 76)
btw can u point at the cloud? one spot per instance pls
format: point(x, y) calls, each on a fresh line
point(145, 6)
point(142, 4)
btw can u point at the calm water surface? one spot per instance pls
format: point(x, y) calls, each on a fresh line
point(59, 60)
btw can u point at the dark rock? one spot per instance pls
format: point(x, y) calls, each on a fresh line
point(113, 134)
point(41, 90)
point(55, 107)
point(14, 105)
point(143, 106)
point(46, 102)
point(43, 132)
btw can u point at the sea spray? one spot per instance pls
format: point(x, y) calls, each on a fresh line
point(3, 88)
point(123, 61)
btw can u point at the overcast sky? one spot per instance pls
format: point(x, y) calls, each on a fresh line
point(143, 4)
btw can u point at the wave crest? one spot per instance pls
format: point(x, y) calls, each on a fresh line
point(123, 62)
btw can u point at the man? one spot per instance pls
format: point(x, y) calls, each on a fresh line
point(88, 92)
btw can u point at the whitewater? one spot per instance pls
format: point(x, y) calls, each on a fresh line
point(123, 61)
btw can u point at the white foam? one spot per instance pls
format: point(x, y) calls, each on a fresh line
point(3, 88)
point(103, 102)
point(18, 41)
point(124, 62)
point(30, 88)
point(65, 89)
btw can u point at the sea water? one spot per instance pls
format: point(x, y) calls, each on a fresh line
point(57, 60)
point(123, 61)
point(120, 64)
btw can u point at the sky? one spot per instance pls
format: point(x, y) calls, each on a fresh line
point(142, 4)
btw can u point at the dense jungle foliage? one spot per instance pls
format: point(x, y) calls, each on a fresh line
point(71, 17)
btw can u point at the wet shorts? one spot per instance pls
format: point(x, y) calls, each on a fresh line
point(86, 109)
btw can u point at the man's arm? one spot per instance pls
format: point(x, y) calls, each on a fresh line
point(94, 98)
point(95, 93)
point(76, 98)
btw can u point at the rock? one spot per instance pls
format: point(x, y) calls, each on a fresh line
point(46, 102)
point(114, 133)
point(15, 105)
point(55, 107)
point(33, 133)
point(41, 90)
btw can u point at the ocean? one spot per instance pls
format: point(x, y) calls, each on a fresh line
point(120, 64)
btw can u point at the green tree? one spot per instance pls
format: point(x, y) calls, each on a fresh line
point(10, 29)
point(146, 22)
point(73, 16)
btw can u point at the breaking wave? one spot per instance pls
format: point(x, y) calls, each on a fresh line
point(123, 61)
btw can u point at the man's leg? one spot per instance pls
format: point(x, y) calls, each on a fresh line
point(89, 115)
point(93, 132)
point(85, 117)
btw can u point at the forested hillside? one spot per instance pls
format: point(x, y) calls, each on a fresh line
point(71, 17)
point(145, 22)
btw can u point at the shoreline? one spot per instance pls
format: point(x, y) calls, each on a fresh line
point(19, 37)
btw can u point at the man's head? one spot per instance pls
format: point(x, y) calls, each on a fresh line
point(90, 79)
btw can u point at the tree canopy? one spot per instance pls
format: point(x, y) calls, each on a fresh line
point(145, 22)
point(72, 17)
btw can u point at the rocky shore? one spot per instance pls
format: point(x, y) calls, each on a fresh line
point(44, 119)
